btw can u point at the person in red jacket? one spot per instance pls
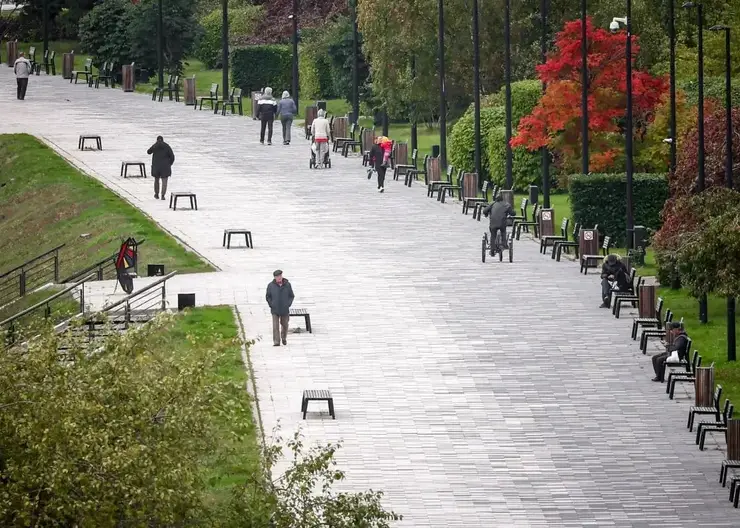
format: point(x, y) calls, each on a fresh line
point(380, 159)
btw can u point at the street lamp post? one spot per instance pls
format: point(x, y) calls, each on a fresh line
point(728, 175)
point(225, 46)
point(355, 66)
point(476, 92)
point(700, 124)
point(672, 76)
point(628, 133)
point(295, 86)
point(414, 134)
point(160, 47)
point(544, 7)
point(584, 90)
point(507, 81)
point(442, 96)
point(45, 22)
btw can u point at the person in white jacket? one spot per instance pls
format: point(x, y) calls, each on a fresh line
point(321, 132)
point(22, 70)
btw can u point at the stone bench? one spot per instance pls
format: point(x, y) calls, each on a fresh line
point(126, 164)
point(189, 195)
point(229, 232)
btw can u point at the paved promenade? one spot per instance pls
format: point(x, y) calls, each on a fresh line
point(474, 395)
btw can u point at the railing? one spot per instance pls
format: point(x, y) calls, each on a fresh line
point(104, 269)
point(8, 326)
point(28, 276)
point(141, 305)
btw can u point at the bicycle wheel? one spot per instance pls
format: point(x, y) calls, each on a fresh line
point(484, 248)
point(499, 246)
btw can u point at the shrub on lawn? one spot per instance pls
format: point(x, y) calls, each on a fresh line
point(462, 138)
point(599, 199)
point(526, 165)
point(524, 97)
point(254, 67)
point(242, 21)
point(104, 32)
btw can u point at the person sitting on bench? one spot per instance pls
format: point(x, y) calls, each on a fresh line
point(680, 345)
point(497, 214)
point(613, 277)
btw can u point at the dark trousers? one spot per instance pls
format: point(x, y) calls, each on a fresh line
point(606, 289)
point(21, 90)
point(279, 328)
point(659, 364)
point(287, 123)
point(504, 242)
point(266, 123)
point(381, 176)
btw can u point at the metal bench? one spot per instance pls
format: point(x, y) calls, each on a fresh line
point(229, 232)
point(648, 322)
point(450, 188)
point(86, 72)
point(592, 261)
point(683, 377)
point(631, 297)
point(140, 164)
point(234, 102)
point(470, 196)
point(550, 240)
point(85, 137)
point(435, 181)
point(560, 245)
point(302, 312)
point(696, 410)
point(715, 427)
point(189, 195)
point(212, 97)
point(317, 395)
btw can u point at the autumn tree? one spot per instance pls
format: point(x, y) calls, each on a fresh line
point(556, 121)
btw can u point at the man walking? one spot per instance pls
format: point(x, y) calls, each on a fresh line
point(279, 297)
point(162, 160)
point(22, 70)
point(266, 111)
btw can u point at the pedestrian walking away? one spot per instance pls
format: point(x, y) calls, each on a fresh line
point(321, 132)
point(287, 110)
point(266, 112)
point(22, 70)
point(498, 214)
point(162, 160)
point(279, 298)
point(380, 156)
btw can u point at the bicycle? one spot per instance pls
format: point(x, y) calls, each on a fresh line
point(496, 247)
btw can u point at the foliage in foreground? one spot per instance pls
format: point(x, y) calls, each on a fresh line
point(133, 432)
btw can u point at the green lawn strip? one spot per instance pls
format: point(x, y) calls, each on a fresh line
point(203, 80)
point(239, 459)
point(709, 339)
point(47, 202)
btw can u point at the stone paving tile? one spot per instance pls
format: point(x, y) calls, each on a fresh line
point(472, 394)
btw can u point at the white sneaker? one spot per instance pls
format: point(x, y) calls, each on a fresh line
point(382, 189)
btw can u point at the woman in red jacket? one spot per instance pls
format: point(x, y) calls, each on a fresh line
point(380, 159)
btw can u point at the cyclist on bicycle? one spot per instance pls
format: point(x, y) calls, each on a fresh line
point(498, 213)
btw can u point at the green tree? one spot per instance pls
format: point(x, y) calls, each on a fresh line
point(242, 21)
point(104, 32)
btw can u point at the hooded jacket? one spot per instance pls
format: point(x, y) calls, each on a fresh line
point(497, 214)
point(617, 269)
point(320, 129)
point(162, 159)
point(279, 297)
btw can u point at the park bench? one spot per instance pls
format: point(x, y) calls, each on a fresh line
point(659, 333)
point(340, 141)
point(478, 202)
point(44, 60)
point(92, 79)
point(459, 186)
point(174, 196)
point(339, 129)
point(172, 87)
point(534, 223)
point(412, 174)
point(212, 97)
point(32, 58)
point(479, 205)
point(107, 76)
point(688, 376)
point(523, 218)
point(87, 71)
point(234, 102)
point(91, 137)
point(353, 144)
point(560, 245)
point(719, 426)
point(317, 395)
point(593, 261)
point(229, 232)
point(551, 240)
point(733, 454)
point(435, 185)
point(696, 410)
point(620, 298)
point(49, 62)
point(302, 312)
point(648, 322)
point(311, 113)
point(139, 164)
point(433, 175)
point(404, 167)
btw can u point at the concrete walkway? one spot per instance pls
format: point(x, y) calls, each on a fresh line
point(474, 395)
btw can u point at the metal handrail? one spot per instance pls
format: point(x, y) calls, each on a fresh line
point(31, 261)
point(127, 299)
point(99, 265)
point(50, 299)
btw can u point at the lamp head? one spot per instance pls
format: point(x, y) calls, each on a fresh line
point(668, 140)
point(290, 17)
point(719, 27)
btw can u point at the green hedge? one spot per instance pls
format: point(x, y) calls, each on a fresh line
point(254, 67)
point(600, 199)
point(242, 21)
point(526, 165)
point(462, 138)
point(524, 97)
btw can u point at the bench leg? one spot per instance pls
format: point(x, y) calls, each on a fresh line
point(171, 198)
point(304, 407)
point(223, 244)
point(331, 408)
point(228, 241)
point(308, 324)
point(174, 204)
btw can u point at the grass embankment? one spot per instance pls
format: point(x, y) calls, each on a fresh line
point(46, 202)
point(205, 326)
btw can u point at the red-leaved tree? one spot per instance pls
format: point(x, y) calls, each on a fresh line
point(556, 120)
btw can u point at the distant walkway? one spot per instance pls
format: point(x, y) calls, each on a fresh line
point(474, 395)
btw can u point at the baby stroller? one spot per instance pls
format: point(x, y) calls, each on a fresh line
point(312, 163)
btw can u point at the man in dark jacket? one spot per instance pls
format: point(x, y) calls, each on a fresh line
point(612, 271)
point(162, 160)
point(279, 297)
point(266, 111)
point(680, 344)
point(498, 213)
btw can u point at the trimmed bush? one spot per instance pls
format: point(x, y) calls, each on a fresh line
point(600, 199)
point(526, 165)
point(462, 139)
point(242, 21)
point(104, 33)
point(524, 97)
point(254, 67)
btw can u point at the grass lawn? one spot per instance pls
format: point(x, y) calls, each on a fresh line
point(709, 339)
point(239, 459)
point(203, 80)
point(61, 308)
point(46, 202)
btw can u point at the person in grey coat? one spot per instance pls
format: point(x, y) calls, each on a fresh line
point(162, 160)
point(279, 297)
point(287, 110)
point(498, 214)
point(22, 69)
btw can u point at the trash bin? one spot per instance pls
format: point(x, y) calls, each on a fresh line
point(639, 237)
point(12, 49)
point(68, 65)
point(534, 193)
point(128, 79)
point(321, 105)
point(546, 221)
point(189, 85)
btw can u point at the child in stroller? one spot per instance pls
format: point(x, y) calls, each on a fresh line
point(326, 161)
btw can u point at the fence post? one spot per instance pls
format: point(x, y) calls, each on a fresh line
point(82, 298)
point(56, 266)
point(100, 272)
point(164, 295)
point(23, 282)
